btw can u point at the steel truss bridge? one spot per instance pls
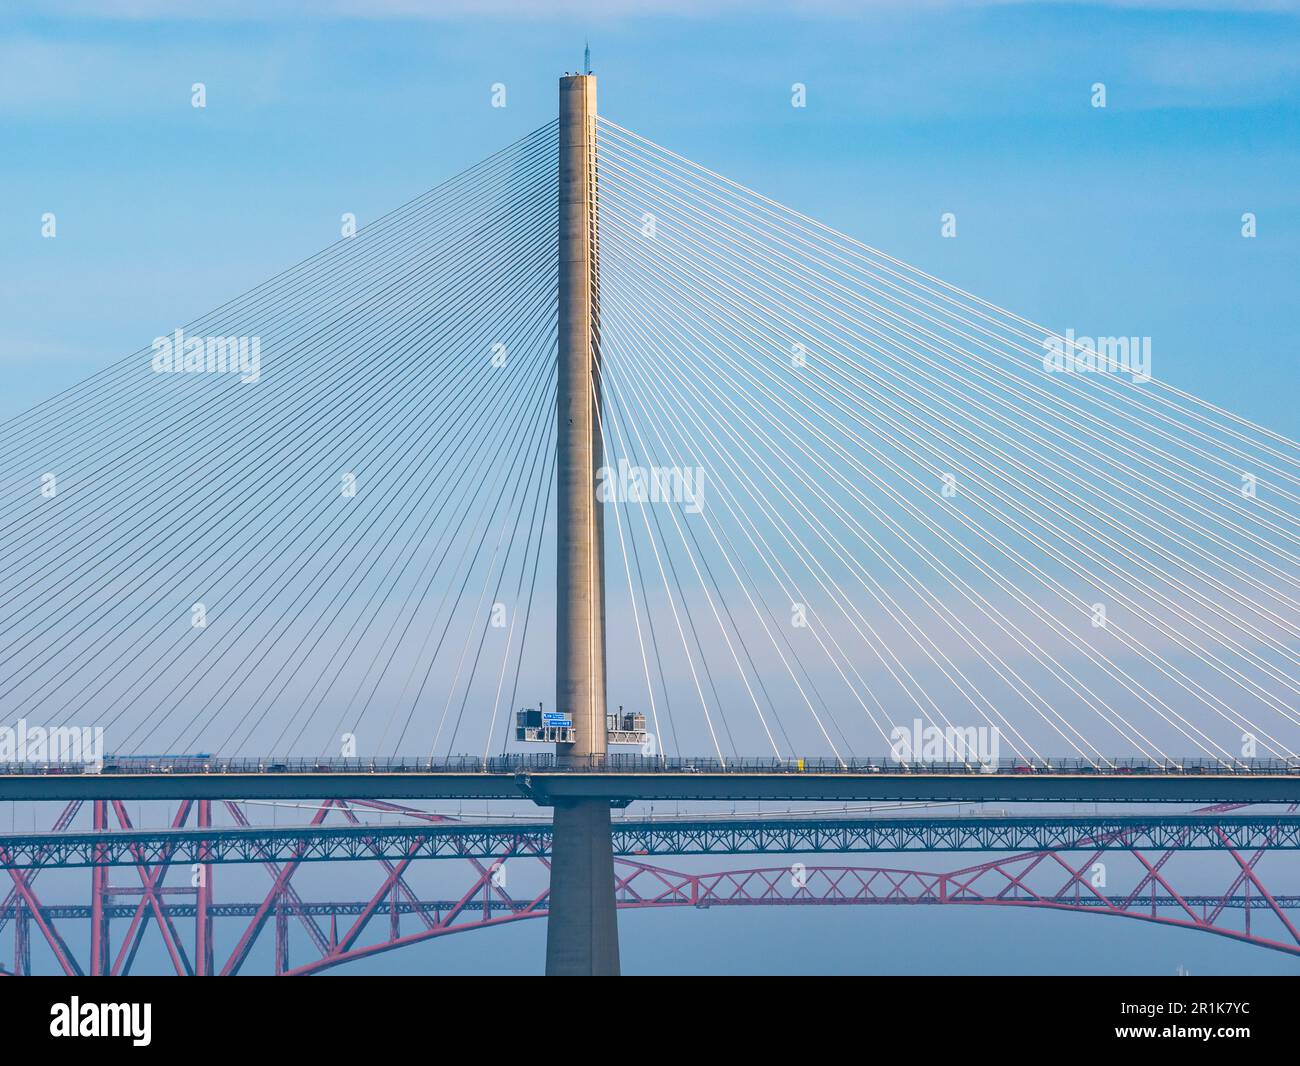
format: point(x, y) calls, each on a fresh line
point(717, 836)
point(1138, 856)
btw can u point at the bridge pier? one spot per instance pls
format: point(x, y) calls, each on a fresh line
point(582, 926)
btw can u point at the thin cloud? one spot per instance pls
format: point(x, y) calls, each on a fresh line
point(441, 10)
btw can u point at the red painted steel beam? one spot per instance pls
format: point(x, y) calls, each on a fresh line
point(203, 900)
point(151, 878)
point(280, 888)
point(98, 896)
point(642, 886)
point(60, 824)
point(67, 962)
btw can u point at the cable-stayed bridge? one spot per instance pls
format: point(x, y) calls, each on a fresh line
point(832, 527)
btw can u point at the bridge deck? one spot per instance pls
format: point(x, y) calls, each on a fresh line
point(621, 787)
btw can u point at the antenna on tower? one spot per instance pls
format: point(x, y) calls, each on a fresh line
point(586, 57)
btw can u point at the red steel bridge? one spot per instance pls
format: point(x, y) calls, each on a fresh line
point(1139, 856)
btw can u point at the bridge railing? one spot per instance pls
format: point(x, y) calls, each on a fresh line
point(637, 764)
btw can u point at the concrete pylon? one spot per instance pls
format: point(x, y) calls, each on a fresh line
point(582, 927)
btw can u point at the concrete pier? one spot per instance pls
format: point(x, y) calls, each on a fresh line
point(582, 929)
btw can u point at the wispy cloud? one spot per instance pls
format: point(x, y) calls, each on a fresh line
point(92, 75)
point(258, 10)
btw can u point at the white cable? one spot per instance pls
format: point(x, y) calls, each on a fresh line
point(1217, 663)
point(808, 222)
point(796, 470)
point(803, 281)
point(1002, 547)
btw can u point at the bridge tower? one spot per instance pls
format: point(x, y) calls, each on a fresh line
point(582, 927)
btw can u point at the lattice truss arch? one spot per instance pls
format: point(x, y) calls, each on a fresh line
point(1136, 884)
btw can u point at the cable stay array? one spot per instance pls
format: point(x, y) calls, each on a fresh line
point(920, 515)
point(306, 558)
point(848, 507)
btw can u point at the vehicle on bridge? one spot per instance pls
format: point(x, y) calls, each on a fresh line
point(156, 764)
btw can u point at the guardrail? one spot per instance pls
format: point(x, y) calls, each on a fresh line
point(642, 764)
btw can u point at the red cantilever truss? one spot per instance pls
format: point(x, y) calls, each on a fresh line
point(1239, 906)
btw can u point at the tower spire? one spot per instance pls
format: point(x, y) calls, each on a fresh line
point(582, 924)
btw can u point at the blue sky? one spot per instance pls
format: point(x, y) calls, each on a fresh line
point(1122, 221)
point(1115, 221)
